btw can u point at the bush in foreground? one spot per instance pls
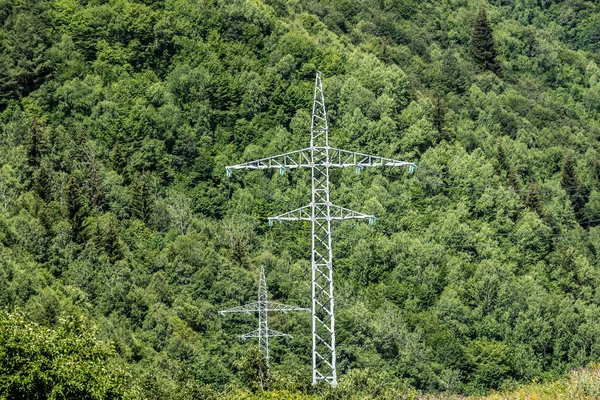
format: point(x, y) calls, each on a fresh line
point(65, 362)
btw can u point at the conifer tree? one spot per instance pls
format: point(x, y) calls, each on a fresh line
point(570, 183)
point(569, 179)
point(34, 143)
point(512, 179)
point(455, 78)
point(43, 184)
point(533, 200)
point(439, 118)
point(502, 156)
point(105, 235)
point(596, 171)
point(142, 203)
point(110, 242)
point(75, 207)
point(483, 43)
point(119, 158)
point(45, 219)
point(93, 181)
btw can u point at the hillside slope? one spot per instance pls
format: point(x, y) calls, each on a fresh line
point(118, 117)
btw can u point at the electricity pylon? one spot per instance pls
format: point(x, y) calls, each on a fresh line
point(319, 157)
point(263, 306)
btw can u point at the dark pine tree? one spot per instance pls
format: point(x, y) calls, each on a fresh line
point(25, 38)
point(439, 119)
point(596, 171)
point(570, 183)
point(46, 221)
point(483, 43)
point(512, 179)
point(119, 158)
point(34, 143)
point(75, 207)
point(142, 202)
point(92, 180)
point(455, 79)
point(533, 200)
point(502, 157)
point(43, 184)
point(110, 242)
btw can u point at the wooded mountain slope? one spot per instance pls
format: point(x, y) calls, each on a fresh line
point(118, 117)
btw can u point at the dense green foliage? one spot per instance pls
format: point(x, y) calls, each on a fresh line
point(38, 363)
point(119, 116)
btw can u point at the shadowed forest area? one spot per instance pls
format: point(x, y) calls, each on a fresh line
point(121, 236)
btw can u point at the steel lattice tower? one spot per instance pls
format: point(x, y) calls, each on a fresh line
point(319, 157)
point(263, 306)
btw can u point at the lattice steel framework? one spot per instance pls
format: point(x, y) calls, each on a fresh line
point(319, 157)
point(263, 306)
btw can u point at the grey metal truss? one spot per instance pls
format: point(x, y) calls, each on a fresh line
point(263, 306)
point(319, 157)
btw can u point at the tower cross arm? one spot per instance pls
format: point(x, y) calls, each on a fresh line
point(272, 333)
point(305, 214)
point(302, 158)
point(247, 308)
point(269, 333)
point(299, 214)
point(341, 213)
point(291, 160)
point(249, 335)
point(346, 158)
point(267, 306)
point(273, 306)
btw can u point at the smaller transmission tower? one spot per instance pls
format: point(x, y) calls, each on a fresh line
point(263, 306)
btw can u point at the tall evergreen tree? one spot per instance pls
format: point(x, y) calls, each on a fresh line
point(512, 179)
point(596, 171)
point(105, 235)
point(454, 76)
point(570, 183)
point(533, 200)
point(43, 184)
point(35, 143)
point(142, 202)
point(110, 242)
point(75, 207)
point(92, 179)
point(569, 180)
point(23, 56)
point(483, 43)
point(439, 118)
point(47, 221)
point(501, 155)
point(119, 158)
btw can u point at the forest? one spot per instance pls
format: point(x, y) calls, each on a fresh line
point(121, 236)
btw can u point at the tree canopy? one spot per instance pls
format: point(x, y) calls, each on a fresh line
point(121, 235)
